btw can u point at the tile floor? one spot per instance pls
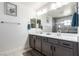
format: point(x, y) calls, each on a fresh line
point(30, 52)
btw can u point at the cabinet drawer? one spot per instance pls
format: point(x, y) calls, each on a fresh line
point(54, 41)
point(32, 36)
point(44, 39)
point(66, 43)
point(38, 37)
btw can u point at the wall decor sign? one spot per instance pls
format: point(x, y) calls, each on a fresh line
point(10, 9)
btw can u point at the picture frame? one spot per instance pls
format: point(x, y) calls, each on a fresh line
point(33, 22)
point(10, 9)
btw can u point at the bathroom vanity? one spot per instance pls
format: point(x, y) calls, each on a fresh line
point(53, 46)
point(64, 43)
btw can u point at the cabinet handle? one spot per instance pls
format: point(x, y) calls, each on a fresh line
point(34, 41)
point(43, 39)
point(54, 49)
point(51, 47)
point(66, 44)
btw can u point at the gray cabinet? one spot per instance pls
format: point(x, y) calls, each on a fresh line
point(53, 47)
point(62, 51)
point(38, 43)
point(46, 47)
point(63, 47)
point(32, 41)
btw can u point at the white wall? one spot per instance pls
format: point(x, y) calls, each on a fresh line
point(14, 36)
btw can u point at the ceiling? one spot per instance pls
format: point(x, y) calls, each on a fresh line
point(34, 5)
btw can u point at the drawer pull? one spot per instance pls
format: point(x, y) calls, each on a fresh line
point(34, 41)
point(44, 39)
point(54, 49)
point(66, 44)
point(51, 47)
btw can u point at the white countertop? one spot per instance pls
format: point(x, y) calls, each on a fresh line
point(62, 36)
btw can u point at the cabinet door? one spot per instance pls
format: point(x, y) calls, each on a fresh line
point(46, 48)
point(38, 43)
point(62, 51)
point(32, 41)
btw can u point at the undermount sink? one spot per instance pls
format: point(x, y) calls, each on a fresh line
point(45, 33)
point(41, 32)
point(48, 34)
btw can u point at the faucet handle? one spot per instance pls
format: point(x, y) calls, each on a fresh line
point(58, 34)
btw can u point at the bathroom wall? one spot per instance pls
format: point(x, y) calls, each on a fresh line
point(13, 36)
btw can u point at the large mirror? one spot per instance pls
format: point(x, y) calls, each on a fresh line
point(62, 19)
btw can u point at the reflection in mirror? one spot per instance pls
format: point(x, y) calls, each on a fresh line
point(33, 22)
point(65, 25)
point(61, 18)
point(68, 23)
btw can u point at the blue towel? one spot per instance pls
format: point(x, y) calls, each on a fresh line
point(75, 20)
point(28, 27)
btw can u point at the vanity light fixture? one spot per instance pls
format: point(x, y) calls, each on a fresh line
point(39, 13)
point(53, 6)
point(43, 11)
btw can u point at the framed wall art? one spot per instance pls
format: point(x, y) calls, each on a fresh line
point(33, 22)
point(10, 9)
